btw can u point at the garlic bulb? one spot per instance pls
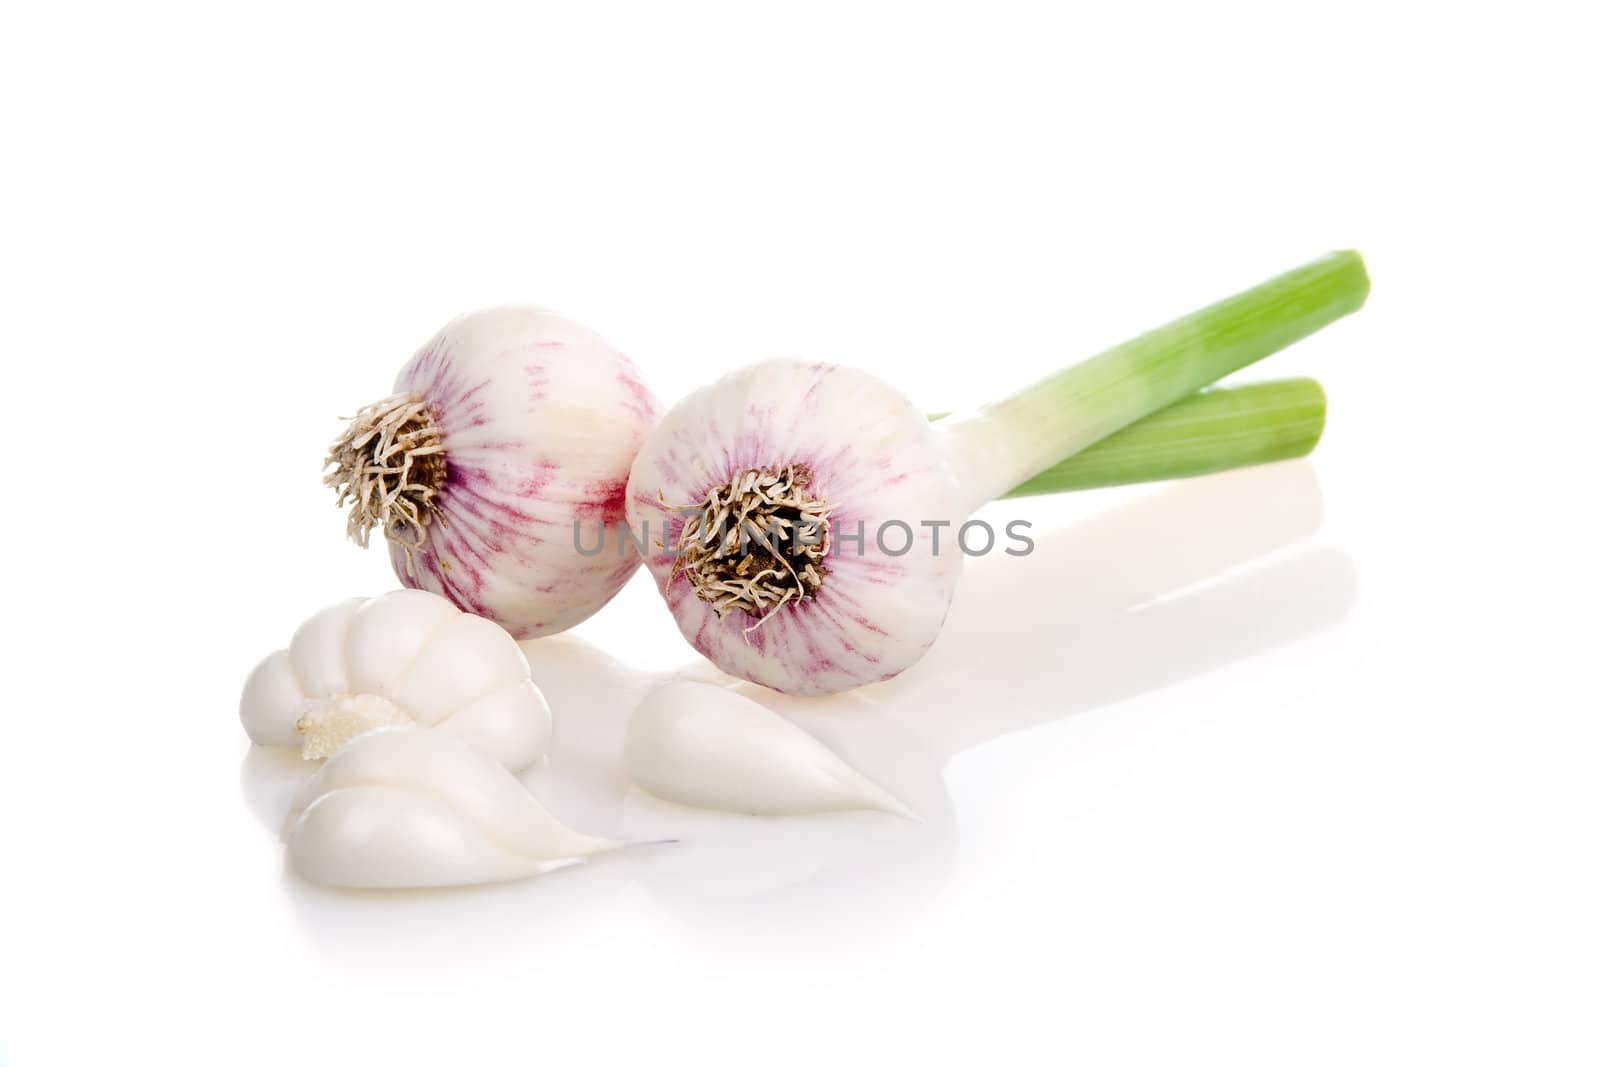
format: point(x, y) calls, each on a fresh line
point(508, 437)
point(401, 659)
point(406, 809)
point(807, 525)
point(844, 452)
point(708, 747)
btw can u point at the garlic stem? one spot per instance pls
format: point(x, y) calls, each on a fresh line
point(1205, 432)
point(1007, 443)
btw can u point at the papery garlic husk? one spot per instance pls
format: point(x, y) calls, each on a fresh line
point(865, 451)
point(407, 658)
point(411, 809)
point(508, 429)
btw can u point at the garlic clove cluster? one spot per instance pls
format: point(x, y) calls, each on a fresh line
point(708, 747)
point(412, 809)
point(407, 658)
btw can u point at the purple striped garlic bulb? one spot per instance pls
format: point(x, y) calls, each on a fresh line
point(508, 435)
point(806, 523)
point(815, 454)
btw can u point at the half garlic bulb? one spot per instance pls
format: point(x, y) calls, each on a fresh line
point(407, 658)
point(413, 809)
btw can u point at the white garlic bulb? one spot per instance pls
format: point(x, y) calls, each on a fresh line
point(709, 747)
point(411, 809)
point(407, 658)
point(506, 442)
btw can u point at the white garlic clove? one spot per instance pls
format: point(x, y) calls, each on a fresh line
point(708, 747)
point(371, 837)
point(269, 706)
point(402, 809)
point(407, 657)
point(467, 659)
point(514, 721)
point(387, 635)
point(317, 650)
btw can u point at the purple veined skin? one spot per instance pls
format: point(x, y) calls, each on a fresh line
point(880, 608)
point(522, 426)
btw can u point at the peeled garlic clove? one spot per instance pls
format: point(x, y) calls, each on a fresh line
point(405, 809)
point(407, 657)
point(375, 838)
point(392, 632)
point(466, 659)
point(707, 747)
point(446, 767)
point(501, 722)
point(316, 651)
point(268, 707)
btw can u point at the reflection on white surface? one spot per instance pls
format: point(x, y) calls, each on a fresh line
point(1138, 599)
point(272, 776)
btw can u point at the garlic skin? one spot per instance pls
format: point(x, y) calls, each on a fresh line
point(708, 747)
point(873, 458)
point(405, 658)
point(524, 424)
point(413, 809)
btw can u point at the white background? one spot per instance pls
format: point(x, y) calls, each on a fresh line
point(1296, 766)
